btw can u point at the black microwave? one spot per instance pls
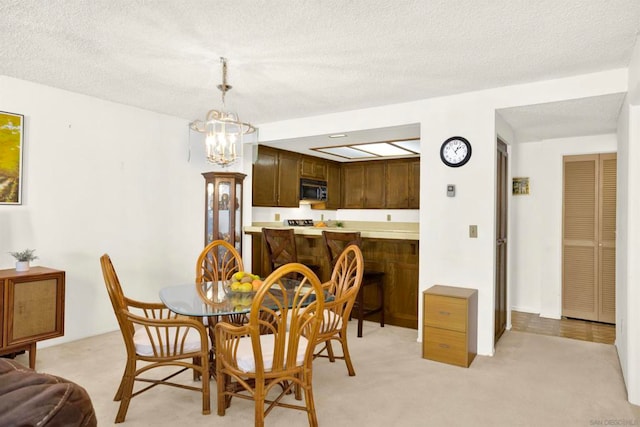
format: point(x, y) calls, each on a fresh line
point(313, 191)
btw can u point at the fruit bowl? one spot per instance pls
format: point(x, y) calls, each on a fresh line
point(243, 282)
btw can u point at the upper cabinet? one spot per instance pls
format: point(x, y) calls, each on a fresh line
point(403, 184)
point(313, 167)
point(381, 184)
point(378, 184)
point(333, 185)
point(363, 185)
point(276, 181)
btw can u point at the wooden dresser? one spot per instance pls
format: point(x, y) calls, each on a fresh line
point(449, 327)
point(31, 309)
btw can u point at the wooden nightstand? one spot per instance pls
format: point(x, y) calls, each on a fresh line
point(449, 327)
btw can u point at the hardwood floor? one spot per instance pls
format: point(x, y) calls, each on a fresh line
point(569, 328)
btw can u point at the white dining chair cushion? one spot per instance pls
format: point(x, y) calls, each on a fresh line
point(328, 319)
point(144, 347)
point(245, 358)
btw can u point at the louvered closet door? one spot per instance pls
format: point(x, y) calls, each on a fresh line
point(588, 276)
point(607, 234)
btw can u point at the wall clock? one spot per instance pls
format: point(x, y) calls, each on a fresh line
point(455, 151)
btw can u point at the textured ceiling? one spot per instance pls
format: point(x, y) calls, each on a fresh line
point(291, 59)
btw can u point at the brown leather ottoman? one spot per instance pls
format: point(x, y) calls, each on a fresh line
point(29, 398)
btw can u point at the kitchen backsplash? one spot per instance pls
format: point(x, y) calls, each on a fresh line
point(305, 211)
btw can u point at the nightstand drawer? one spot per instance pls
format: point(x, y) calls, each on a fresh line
point(445, 312)
point(445, 346)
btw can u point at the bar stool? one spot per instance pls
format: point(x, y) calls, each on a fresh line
point(334, 243)
point(280, 244)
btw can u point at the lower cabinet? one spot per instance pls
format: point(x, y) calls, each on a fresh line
point(398, 259)
point(32, 304)
point(449, 329)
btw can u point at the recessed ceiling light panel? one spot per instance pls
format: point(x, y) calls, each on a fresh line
point(346, 152)
point(383, 149)
point(411, 145)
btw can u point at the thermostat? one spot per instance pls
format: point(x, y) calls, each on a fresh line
point(451, 190)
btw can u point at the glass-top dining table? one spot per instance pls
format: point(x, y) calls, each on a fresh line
point(189, 301)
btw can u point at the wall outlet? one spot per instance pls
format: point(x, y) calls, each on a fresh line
point(277, 217)
point(388, 217)
point(321, 217)
point(473, 231)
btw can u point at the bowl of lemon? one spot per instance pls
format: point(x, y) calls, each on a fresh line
point(243, 281)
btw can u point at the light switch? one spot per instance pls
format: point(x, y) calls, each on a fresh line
point(277, 217)
point(473, 231)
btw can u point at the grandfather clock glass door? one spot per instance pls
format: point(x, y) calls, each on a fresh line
point(223, 208)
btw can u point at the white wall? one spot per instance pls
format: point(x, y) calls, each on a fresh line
point(102, 177)
point(536, 229)
point(632, 325)
point(629, 326)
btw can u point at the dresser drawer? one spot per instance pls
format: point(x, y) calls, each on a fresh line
point(445, 312)
point(445, 346)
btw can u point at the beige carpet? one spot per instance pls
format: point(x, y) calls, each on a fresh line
point(532, 380)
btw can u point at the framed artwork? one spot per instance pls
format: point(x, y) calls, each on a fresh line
point(520, 186)
point(11, 150)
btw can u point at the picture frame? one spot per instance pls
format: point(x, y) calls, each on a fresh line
point(520, 186)
point(11, 155)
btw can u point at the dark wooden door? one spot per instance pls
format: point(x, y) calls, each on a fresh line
point(374, 180)
point(352, 185)
point(414, 184)
point(265, 177)
point(333, 186)
point(288, 180)
point(397, 184)
point(502, 188)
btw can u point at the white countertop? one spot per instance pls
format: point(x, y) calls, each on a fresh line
point(368, 230)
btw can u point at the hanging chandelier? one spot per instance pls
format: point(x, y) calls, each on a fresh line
point(223, 129)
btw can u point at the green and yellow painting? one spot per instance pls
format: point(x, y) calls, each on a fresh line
point(10, 157)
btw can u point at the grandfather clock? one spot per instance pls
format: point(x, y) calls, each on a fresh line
point(223, 208)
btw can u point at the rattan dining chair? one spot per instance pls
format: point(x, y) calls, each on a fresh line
point(253, 365)
point(217, 262)
point(344, 285)
point(157, 338)
point(334, 243)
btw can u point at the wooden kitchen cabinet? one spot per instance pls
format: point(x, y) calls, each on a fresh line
point(414, 184)
point(334, 191)
point(32, 304)
point(397, 258)
point(352, 185)
point(276, 179)
point(402, 184)
point(449, 329)
point(363, 185)
point(313, 168)
point(374, 185)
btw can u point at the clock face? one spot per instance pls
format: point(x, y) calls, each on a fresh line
point(455, 151)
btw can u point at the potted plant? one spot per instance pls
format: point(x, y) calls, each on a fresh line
point(23, 258)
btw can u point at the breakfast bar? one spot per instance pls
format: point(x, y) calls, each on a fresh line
point(391, 248)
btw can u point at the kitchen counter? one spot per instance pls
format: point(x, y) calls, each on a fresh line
point(389, 247)
point(367, 229)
